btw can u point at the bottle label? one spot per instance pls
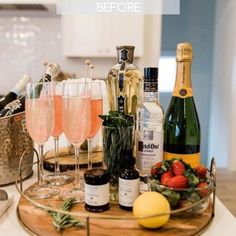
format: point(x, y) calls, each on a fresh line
point(150, 87)
point(128, 191)
point(192, 159)
point(149, 149)
point(183, 92)
point(97, 195)
point(13, 106)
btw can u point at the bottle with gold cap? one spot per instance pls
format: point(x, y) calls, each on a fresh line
point(181, 126)
point(124, 82)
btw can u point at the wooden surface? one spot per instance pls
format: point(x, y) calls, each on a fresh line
point(40, 223)
point(226, 188)
point(67, 159)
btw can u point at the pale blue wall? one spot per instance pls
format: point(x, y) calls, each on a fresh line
point(194, 24)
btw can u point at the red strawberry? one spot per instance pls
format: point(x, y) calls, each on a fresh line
point(165, 177)
point(178, 168)
point(201, 171)
point(178, 181)
point(203, 191)
point(156, 170)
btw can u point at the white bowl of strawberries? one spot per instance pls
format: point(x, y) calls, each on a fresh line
point(182, 185)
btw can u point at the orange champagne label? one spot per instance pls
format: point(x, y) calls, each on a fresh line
point(192, 159)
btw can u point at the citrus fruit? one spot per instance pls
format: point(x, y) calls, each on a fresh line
point(151, 203)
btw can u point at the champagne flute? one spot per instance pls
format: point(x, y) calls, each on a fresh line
point(76, 116)
point(39, 122)
point(58, 178)
point(96, 110)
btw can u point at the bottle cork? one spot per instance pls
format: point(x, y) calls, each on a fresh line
point(184, 52)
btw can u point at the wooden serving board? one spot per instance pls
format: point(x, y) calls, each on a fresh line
point(67, 159)
point(38, 222)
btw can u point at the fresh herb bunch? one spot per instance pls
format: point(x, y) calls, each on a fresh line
point(62, 221)
point(117, 119)
point(117, 141)
point(179, 182)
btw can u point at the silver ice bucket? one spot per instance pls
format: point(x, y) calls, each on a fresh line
point(14, 140)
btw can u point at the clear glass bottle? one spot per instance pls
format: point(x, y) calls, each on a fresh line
point(149, 124)
point(124, 82)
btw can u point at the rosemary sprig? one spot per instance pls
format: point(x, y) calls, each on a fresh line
point(62, 221)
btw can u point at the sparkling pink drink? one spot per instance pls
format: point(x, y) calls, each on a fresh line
point(57, 131)
point(96, 110)
point(39, 118)
point(76, 118)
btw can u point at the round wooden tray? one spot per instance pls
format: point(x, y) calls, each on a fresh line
point(38, 222)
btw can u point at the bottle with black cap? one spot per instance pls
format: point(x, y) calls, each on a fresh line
point(15, 92)
point(18, 105)
point(149, 124)
point(128, 183)
point(96, 190)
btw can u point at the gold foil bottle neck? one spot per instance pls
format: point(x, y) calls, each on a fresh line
point(184, 52)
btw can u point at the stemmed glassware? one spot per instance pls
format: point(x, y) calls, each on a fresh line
point(76, 117)
point(58, 178)
point(96, 110)
point(39, 110)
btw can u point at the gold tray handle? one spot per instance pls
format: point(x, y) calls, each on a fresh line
point(213, 173)
point(20, 170)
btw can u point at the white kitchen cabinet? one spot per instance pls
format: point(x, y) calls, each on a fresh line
point(98, 35)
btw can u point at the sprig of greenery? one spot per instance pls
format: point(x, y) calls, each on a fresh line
point(62, 221)
point(117, 119)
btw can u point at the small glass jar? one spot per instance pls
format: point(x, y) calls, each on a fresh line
point(96, 190)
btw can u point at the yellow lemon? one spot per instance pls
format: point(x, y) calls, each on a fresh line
point(151, 203)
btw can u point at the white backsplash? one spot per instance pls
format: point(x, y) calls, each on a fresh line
point(25, 42)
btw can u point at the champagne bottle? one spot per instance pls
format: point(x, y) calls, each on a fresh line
point(15, 92)
point(18, 105)
point(181, 126)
